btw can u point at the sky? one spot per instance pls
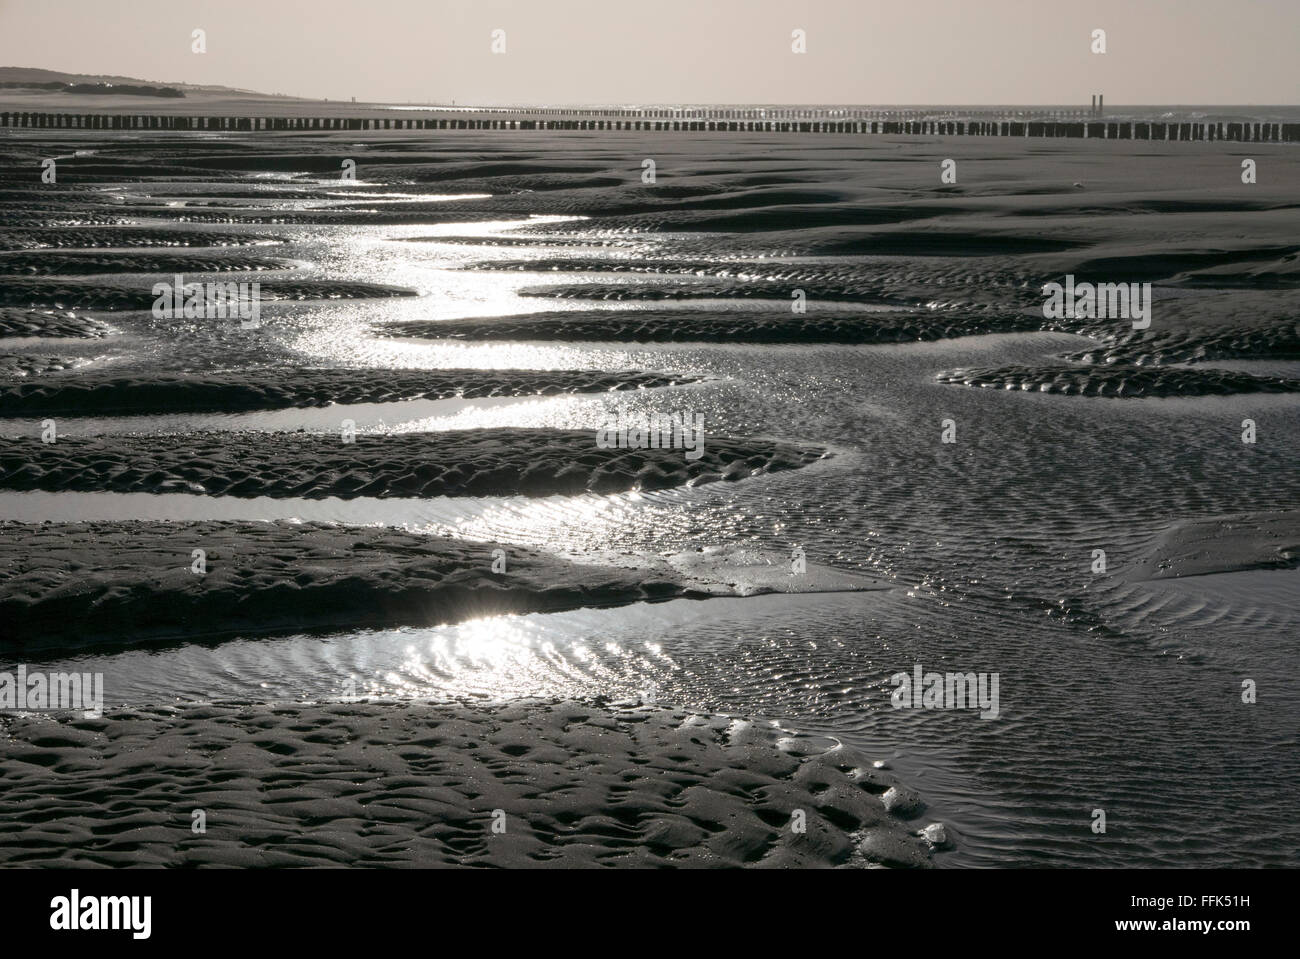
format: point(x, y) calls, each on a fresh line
point(681, 51)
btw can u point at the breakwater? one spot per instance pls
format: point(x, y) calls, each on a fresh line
point(681, 120)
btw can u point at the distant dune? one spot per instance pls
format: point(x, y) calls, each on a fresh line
point(33, 77)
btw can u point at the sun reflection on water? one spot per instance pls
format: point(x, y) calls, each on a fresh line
point(505, 657)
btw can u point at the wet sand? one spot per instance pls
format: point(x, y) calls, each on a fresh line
point(111, 585)
point(38, 294)
point(98, 394)
point(731, 326)
point(30, 364)
point(855, 227)
point(47, 323)
point(1120, 381)
point(412, 784)
point(89, 237)
point(1224, 544)
point(489, 462)
point(51, 263)
point(124, 584)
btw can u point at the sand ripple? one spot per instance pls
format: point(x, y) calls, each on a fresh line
point(487, 462)
point(80, 264)
point(1275, 341)
point(84, 296)
point(381, 785)
point(27, 364)
point(1120, 381)
point(122, 583)
point(101, 394)
point(739, 326)
point(89, 237)
point(47, 323)
point(848, 293)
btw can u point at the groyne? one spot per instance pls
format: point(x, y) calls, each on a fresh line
point(1082, 126)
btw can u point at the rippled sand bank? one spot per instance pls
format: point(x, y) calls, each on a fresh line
point(1120, 381)
point(97, 394)
point(121, 584)
point(86, 296)
point(730, 326)
point(48, 323)
point(374, 784)
point(489, 462)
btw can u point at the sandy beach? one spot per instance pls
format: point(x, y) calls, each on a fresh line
point(536, 278)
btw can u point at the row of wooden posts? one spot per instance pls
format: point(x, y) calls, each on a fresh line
point(1096, 129)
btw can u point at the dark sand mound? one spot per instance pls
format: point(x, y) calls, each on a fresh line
point(95, 236)
point(80, 264)
point(934, 243)
point(968, 283)
point(47, 323)
point(27, 364)
point(1119, 381)
point(1145, 266)
point(488, 462)
point(520, 241)
point(1223, 544)
point(114, 584)
point(936, 283)
point(42, 216)
point(1270, 341)
point(1278, 275)
point(123, 162)
point(784, 217)
point(70, 585)
point(852, 293)
point(385, 784)
point(419, 161)
point(1126, 205)
point(85, 296)
point(17, 192)
point(103, 394)
point(626, 205)
point(741, 269)
point(772, 326)
point(229, 191)
point(752, 268)
point(428, 214)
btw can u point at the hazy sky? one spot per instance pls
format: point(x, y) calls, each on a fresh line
point(666, 51)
